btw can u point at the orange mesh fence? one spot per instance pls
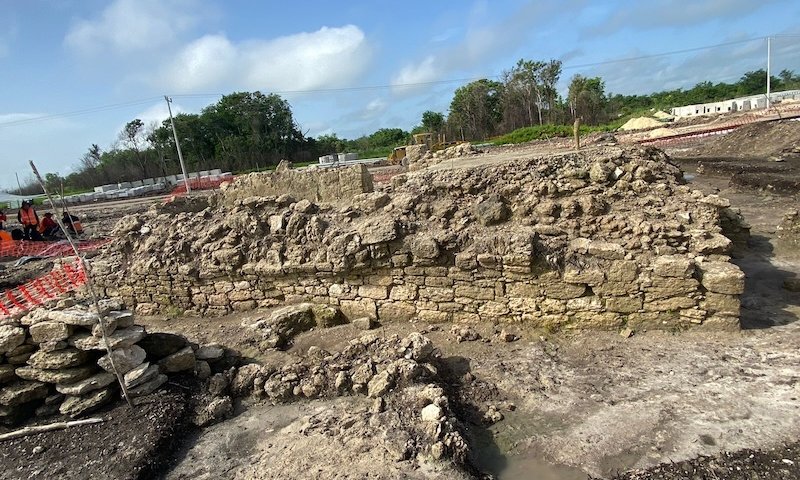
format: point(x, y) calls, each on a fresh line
point(205, 183)
point(22, 248)
point(23, 298)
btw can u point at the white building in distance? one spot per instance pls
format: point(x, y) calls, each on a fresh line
point(741, 104)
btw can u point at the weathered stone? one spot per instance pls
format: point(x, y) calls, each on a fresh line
point(673, 266)
point(7, 373)
point(59, 359)
point(376, 292)
point(141, 374)
point(159, 345)
point(364, 307)
point(73, 317)
point(10, 338)
point(75, 406)
point(125, 359)
point(622, 271)
point(18, 393)
point(124, 337)
point(380, 384)
point(50, 332)
point(721, 277)
point(563, 291)
point(216, 410)
point(424, 247)
point(64, 375)
point(491, 211)
point(589, 276)
point(623, 304)
point(209, 352)
point(431, 413)
point(364, 323)
point(179, 361)
point(722, 303)
point(397, 311)
point(714, 243)
point(327, 316)
point(95, 382)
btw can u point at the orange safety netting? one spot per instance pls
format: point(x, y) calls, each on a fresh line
point(23, 248)
point(202, 184)
point(62, 279)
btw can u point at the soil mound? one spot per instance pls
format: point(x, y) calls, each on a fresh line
point(763, 139)
point(641, 123)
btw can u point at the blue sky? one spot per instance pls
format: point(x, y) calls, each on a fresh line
point(108, 62)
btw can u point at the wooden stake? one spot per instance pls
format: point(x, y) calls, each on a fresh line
point(24, 432)
point(89, 286)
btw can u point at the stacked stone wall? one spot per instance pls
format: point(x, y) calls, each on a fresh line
point(604, 240)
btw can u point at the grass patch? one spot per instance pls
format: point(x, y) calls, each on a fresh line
point(543, 132)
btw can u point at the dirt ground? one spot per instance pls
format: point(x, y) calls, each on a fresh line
point(654, 405)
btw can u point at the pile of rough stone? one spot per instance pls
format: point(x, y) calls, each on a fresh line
point(55, 361)
point(410, 406)
point(789, 229)
point(429, 158)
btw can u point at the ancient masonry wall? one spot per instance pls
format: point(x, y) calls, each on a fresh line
point(675, 292)
point(603, 240)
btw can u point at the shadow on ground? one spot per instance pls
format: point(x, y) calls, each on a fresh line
point(765, 302)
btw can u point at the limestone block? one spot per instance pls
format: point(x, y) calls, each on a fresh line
point(589, 276)
point(493, 309)
point(673, 266)
point(522, 305)
point(81, 387)
point(123, 337)
point(19, 393)
point(403, 292)
point(622, 271)
point(376, 292)
point(438, 282)
point(563, 291)
point(64, 375)
point(477, 293)
point(50, 331)
point(667, 287)
point(724, 323)
point(672, 304)
point(397, 311)
point(424, 246)
point(721, 277)
point(125, 359)
point(623, 304)
point(10, 338)
point(590, 303)
point(364, 307)
point(77, 406)
point(616, 288)
point(59, 359)
point(550, 305)
point(711, 244)
point(180, 361)
point(466, 317)
point(466, 261)
point(437, 294)
point(524, 290)
point(721, 303)
point(434, 316)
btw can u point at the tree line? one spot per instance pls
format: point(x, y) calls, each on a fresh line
point(246, 131)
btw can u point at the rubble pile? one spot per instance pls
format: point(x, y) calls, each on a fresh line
point(54, 361)
point(411, 412)
point(600, 239)
point(432, 158)
point(789, 229)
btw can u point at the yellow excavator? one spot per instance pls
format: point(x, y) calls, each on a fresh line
point(433, 141)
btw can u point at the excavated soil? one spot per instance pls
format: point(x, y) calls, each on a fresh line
point(130, 444)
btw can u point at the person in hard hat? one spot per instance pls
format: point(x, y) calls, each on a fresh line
point(48, 227)
point(29, 219)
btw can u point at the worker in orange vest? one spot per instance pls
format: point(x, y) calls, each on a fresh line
point(48, 227)
point(30, 221)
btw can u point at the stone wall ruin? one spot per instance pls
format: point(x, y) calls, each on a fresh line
point(602, 239)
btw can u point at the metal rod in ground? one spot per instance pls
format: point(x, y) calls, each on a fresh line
point(90, 286)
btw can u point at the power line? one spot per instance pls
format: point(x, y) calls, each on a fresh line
point(375, 87)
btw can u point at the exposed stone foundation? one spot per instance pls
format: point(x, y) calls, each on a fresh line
point(600, 240)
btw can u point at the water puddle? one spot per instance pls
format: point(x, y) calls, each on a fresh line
point(528, 467)
point(688, 176)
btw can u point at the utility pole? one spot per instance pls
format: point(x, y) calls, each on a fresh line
point(769, 48)
point(178, 146)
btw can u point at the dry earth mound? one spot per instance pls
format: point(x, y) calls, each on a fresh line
point(763, 139)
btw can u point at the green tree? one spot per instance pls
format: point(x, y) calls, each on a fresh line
point(587, 99)
point(476, 109)
point(433, 122)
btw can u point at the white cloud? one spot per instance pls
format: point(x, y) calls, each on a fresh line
point(157, 113)
point(328, 57)
point(425, 71)
point(128, 26)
